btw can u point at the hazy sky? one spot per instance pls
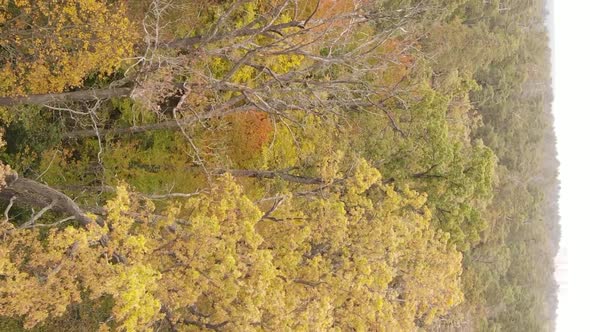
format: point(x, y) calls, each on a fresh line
point(572, 122)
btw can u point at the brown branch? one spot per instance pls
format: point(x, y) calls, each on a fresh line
point(172, 195)
point(32, 193)
point(210, 326)
point(84, 133)
point(137, 217)
point(394, 123)
point(39, 214)
point(74, 96)
point(186, 43)
point(315, 10)
point(272, 175)
point(111, 189)
point(426, 173)
point(213, 112)
point(275, 205)
point(59, 222)
point(197, 152)
point(389, 116)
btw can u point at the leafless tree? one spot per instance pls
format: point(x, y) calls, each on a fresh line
point(338, 57)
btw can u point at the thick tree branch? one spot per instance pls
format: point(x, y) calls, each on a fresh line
point(272, 175)
point(186, 43)
point(212, 112)
point(32, 193)
point(210, 326)
point(74, 96)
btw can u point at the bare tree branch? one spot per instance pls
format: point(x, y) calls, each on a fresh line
point(8, 207)
point(35, 194)
point(39, 214)
point(57, 223)
point(55, 98)
point(271, 175)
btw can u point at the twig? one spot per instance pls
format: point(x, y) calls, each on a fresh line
point(63, 109)
point(275, 205)
point(48, 225)
point(196, 150)
point(6, 218)
point(39, 214)
point(93, 117)
point(48, 166)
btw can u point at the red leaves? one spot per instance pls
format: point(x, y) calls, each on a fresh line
point(249, 132)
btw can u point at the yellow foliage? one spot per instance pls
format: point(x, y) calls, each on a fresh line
point(282, 64)
point(69, 40)
point(361, 256)
point(136, 307)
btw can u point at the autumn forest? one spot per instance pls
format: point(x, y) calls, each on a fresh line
point(276, 165)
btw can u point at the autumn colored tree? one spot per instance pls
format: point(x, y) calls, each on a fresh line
point(54, 46)
point(249, 133)
point(219, 262)
point(276, 165)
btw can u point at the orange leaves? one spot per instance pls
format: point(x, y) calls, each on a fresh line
point(249, 132)
point(397, 46)
point(334, 13)
point(397, 61)
point(333, 8)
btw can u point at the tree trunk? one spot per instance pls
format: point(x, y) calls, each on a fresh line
point(273, 174)
point(212, 112)
point(164, 125)
point(73, 96)
point(187, 43)
point(35, 194)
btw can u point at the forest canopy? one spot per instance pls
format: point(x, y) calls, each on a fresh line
point(276, 165)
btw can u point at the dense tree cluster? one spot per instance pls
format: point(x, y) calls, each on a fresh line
point(270, 165)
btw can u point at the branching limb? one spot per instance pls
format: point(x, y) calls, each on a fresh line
point(34, 194)
point(196, 151)
point(39, 214)
point(57, 223)
point(275, 205)
point(263, 174)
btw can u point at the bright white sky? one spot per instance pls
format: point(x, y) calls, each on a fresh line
point(572, 121)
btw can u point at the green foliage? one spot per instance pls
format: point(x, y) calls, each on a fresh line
point(130, 113)
point(29, 133)
point(429, 151)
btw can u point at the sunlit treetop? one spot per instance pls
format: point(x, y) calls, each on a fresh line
point(50, 46)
